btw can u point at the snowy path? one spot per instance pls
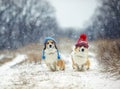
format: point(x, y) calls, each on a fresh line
point(15, 61)
point(36, 76)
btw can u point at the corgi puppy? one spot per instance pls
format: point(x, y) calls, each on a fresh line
point(51, 56)
point(79, 55)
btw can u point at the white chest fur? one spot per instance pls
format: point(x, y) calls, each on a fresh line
point(79, 59)
point(51, 56)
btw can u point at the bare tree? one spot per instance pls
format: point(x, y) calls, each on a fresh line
point(24, 21)
point(106, 20)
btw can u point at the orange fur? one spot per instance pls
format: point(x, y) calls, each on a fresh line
point(61, 64)
point(49, 42)
point(87, 63)
point(73, 63)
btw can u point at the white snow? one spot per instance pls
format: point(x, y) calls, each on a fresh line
point(15, 61)
point(37, 76)
point(2, 56)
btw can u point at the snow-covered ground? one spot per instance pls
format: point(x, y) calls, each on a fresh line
point(37, 76)
point(2, 56)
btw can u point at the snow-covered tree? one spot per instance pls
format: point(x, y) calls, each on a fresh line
point(106, 20)
point(24, 21)
point(110, 17)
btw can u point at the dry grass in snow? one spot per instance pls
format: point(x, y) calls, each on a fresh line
point(108, 55)
point(23, 69)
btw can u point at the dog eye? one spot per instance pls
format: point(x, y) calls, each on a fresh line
point(47, 43)
point(52, 42)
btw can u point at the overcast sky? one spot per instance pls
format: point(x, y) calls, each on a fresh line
point(74, 13)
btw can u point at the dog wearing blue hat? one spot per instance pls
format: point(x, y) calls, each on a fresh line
point(51, 55)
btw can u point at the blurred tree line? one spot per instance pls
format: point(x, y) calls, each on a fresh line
point(25, 21)
point(105, 23)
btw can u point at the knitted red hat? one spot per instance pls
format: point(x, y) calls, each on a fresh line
point(82, 41)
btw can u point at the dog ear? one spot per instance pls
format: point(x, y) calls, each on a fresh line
point(44, 46)
point(75, 48)
point(55, 45)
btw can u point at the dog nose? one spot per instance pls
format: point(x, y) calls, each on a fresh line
point(82, 50)
point(50, 46)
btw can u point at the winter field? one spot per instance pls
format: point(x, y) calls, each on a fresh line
point(23, 69)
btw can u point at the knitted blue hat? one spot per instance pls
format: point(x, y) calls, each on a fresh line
point(49, 38)
point(43, 53)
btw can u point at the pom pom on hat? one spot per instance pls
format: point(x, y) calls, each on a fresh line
point(83, 37)
point(82, 41)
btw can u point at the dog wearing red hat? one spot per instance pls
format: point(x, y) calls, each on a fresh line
point(79, 55)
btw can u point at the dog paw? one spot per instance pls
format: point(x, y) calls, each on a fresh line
point(52, 67)
point(57, 68)
point(80, 68)
point(85, 68)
